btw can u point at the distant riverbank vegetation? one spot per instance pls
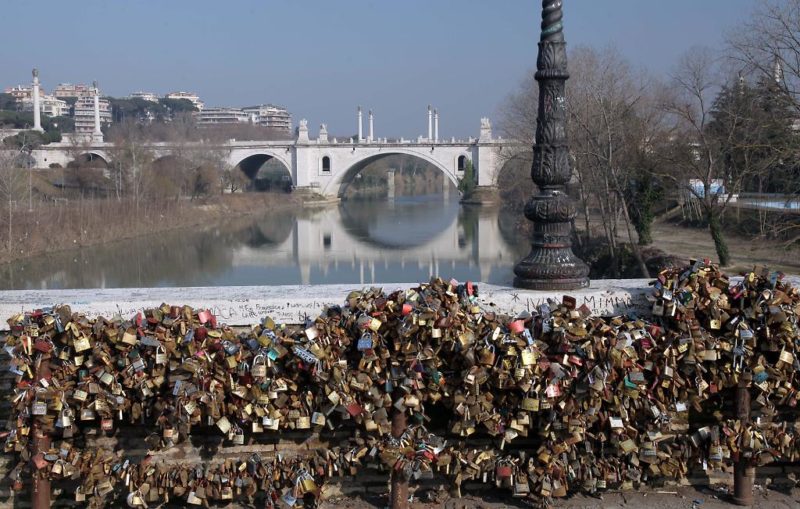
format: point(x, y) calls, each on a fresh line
point(681, 148)
point(92, 201)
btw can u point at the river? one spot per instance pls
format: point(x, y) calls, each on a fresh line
point(355, 242)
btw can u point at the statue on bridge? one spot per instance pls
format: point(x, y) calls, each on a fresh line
point(486, 130)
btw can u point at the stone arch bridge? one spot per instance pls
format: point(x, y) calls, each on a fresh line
point(320, 165)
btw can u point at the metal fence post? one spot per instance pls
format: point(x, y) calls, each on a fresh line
point(744, 473)
point(40, 485)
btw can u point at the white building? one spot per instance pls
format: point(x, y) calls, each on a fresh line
point(269, 115)
point(213, 116)
point(194, 98)
point(147, 96)
point(49, 105)
point(84, 113)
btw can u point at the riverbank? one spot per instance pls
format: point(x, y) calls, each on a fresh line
point(52, 227)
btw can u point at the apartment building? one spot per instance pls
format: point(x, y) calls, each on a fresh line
point(269, 115)
point(84, 113)
point(190, 96)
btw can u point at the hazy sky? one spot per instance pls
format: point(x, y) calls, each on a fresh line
point(321, 58)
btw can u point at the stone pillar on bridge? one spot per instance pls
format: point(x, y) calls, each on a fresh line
point(301, 157)
point(37, 108)
point(371, 127)
point(97, 135)
point(484, 162)
point(436, 126)
point(360, 126)
point(302, 131)
point(430, 123)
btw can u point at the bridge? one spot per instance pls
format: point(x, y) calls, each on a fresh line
point(322, 165)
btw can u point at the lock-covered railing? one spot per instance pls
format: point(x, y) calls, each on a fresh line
point(598, 402)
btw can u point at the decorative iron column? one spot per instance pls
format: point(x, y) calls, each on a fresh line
point(551, 264)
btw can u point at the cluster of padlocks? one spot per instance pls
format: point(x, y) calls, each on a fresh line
point(606, 402)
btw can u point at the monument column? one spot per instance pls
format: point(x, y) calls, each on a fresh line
point(436, 126)
point(37, 112)
point(360, 126)
point(97, 130)
point(430, 123)
point(551, 264)
point(371, 127)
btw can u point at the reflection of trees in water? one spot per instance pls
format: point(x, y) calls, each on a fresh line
point(173, 258)
point(468, 222)
point(514, 180)
point(410, 223)
point(508, 223)
point(271, 230)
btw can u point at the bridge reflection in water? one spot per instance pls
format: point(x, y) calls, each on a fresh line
point(359, 242)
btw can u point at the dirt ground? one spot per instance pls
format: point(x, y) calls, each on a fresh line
point(695, 243)
point(668, 498)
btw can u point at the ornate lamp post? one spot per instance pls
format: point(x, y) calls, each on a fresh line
point(551, 264)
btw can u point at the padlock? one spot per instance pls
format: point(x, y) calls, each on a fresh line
point(365, 342)
point(39, 407)
point(82, 344)
point(224, 425)
point(161, 355)
point(193, 499)
point(64, 418)
point(259, 367)
point(238, 436)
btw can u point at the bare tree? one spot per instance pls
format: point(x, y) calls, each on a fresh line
point(728, 137)
point(518, 123)
point(132, 159)
point(518, 113)
point(606, 97)
point(769, 43)
point(696, 84)
point(234, 179)
point(210, 165)
point(13, 182)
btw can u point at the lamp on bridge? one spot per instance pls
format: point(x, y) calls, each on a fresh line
point(551, 264)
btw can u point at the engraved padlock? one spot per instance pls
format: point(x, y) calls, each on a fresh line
point(39, 407)
point(259, 368)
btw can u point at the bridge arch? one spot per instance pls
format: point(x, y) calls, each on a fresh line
point(342, 179)
point(250, 157)
point(91, 157)
point(281, 178)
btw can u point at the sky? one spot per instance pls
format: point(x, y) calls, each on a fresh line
point(323, 58)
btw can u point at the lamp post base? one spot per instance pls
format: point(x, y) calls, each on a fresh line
point(551, 264)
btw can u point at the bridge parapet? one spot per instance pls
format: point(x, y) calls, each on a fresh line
point(245, 305)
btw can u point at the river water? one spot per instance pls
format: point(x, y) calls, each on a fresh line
point(355, 242)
